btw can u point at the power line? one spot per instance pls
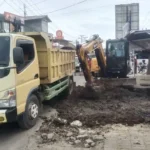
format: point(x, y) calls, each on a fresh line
point(59, 28)
point(1, 3)
point(11, 6)
point(36, 15)
point(25, 12)
point(38, 9)
point(87, 10)
point(16, 4)
point(30, 3)
point(38, 3)
point(66, 7)
point(17, 12)
point(28, 7)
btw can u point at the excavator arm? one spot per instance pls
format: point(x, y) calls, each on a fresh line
point(94, 44)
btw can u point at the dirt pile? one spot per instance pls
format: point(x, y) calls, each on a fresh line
point(108, 105)
point(86, 111)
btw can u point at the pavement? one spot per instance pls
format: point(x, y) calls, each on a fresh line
point(118, 137)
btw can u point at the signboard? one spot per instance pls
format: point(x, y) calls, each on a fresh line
point(59, 34)
point(11, 17)
point(126, 13)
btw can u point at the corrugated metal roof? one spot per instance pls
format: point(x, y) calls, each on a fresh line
point(38, 17)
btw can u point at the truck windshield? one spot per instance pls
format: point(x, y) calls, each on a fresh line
point(116, 49)
point(4, 50)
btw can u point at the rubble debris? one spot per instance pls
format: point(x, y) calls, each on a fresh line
point(44, 136)
point(59, 121)
point(77, 142)
point(44, 128)
point(50, 136)
point(86, 145)
point(68, 138)
point(98, 137)
point(91, 132)
point(72, 138)
point(76, 123)
point(71, 143)
point(93, 144)
point(82, 136)
point(89, 141)
point(81, 131)
point(84, 118)
point(69, 134)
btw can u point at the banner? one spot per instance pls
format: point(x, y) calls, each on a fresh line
point(11, 17)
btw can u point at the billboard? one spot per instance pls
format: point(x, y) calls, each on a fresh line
point(12, 17)
point(126, 19)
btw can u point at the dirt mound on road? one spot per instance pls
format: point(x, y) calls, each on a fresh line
point(108, 105)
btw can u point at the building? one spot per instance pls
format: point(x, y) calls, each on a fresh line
point(29, 24)
point(36, 23)
point(126, 18)
point(5, 26)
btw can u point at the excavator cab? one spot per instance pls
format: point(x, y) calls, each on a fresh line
point(117, 54)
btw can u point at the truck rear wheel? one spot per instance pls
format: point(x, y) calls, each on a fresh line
point(29, 118)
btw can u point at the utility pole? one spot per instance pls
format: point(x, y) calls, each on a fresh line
point(82, 38)
point(25, 11)
point(128, 18)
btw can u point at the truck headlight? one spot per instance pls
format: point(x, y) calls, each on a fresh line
point(9, 99)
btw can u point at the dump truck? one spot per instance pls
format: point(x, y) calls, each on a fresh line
point(31, 71)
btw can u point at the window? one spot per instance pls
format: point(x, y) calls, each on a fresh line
point(4, 55)
point(116, 49)
point(28, 51)
point(4, 50)
point(6, 27)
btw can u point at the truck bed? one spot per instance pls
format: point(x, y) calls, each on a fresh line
point(54, 63)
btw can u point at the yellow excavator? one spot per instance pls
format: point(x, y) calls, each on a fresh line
point(93, 44)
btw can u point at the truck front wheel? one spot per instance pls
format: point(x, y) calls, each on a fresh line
point(29, 118)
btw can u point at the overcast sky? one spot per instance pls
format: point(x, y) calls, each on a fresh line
point(87, 18)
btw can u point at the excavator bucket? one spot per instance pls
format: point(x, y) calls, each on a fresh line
point(96, 89)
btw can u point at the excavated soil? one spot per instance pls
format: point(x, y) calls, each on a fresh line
point(106, 105)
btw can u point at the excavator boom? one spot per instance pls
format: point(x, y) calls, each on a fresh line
point(94, 44)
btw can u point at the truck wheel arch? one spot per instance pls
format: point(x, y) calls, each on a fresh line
point(35, 92)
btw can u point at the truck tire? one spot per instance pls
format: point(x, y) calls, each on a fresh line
point(29, 118)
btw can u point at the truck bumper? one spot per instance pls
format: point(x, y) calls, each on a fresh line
point(8, 115)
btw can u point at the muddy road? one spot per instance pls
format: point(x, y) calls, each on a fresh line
point(110, 106)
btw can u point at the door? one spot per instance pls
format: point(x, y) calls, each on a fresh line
point(116, 56)
point(27, 74)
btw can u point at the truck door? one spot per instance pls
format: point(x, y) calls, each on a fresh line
point(27, 74)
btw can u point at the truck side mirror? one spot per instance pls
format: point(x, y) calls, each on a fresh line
point(18, 55)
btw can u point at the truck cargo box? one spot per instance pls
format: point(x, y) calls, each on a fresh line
point(54, 63)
